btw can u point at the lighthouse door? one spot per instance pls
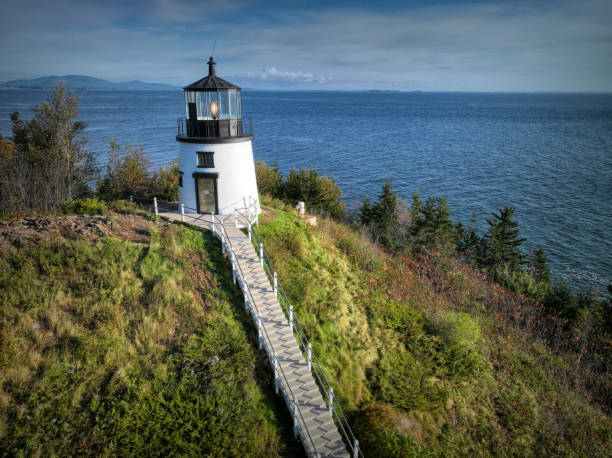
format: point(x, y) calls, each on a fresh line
point(206, 194)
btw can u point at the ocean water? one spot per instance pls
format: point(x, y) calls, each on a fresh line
point(549, 155)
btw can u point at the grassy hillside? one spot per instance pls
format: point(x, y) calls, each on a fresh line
point(421, 356)
point(125, 336)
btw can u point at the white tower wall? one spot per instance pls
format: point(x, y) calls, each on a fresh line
point(234, 164)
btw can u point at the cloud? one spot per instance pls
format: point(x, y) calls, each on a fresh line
point(560, 45)
point(274, 75)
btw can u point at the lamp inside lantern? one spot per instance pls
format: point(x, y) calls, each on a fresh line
point(214, 109)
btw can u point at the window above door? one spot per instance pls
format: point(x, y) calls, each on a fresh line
point(206, 159)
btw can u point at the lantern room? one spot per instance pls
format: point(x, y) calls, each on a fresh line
point(213, 108)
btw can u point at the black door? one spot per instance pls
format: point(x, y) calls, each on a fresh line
point(206, 190)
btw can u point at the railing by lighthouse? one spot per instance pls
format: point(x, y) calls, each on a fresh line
point(221, 128)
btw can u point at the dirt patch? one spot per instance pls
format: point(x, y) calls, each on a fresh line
point(33, 231)
point(269, 215)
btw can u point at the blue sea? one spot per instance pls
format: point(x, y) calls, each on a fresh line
point(549, 155)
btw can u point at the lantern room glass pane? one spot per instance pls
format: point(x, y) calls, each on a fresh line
point(190, 97)
point(223, 104)
point(229, 104)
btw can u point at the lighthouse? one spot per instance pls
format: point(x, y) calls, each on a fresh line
point(216, 167)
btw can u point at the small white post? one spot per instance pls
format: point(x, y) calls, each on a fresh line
point(155, 206)
point(246, 299)
point(249, 229)
point(331, 401)
point(295, 418)
point(183, 212)
point(309, 357)
point(213, 223)
point(235, 217)
point(275, 284)
point(356, 449)
point(131, 198)
point(233, 267)
point(276, 374)
point(291, 318)
point(261, 254)
point(259, 335)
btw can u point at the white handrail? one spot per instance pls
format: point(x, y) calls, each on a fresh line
point(280, 379)
point(305, 346)
point(296, 328)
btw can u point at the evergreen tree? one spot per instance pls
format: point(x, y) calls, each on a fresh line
point(385, 208)
point(429, 214)
point(539, 266)
point(502, 242)
point(382, 216)
point(366, 212)
point(469, 241)
point(417, 210)
point(443, 224)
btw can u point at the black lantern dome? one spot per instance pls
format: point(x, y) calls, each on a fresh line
point(213, 108)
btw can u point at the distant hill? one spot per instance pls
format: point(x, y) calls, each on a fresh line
point(86, 82)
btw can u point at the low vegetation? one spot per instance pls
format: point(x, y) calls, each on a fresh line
point(124, 336)
point(428, 356)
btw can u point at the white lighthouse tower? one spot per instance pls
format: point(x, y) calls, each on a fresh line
point(217, 172)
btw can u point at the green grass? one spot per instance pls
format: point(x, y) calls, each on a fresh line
point(115, 348)
point(419, 359)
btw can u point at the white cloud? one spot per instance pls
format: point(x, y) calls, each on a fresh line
point(274, 75)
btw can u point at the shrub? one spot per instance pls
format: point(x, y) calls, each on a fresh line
point(455, 328)
point(89, 206)
point(268, 179)
point(128, 173)
point(321, 194)
point(383, 431)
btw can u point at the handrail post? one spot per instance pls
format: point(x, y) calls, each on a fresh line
point(309, 357)
point(236, 217)
point(249, 229)
point(183, 213)
point(290, 317)
point(233, 266)
point(331, 401)
point(356, 449)
point(155, 206)
point(213, 223)
point(276, 374)
point(295, 418)
point(246, 299)
point(275, 285)
point(259, 335)
point(261, 259)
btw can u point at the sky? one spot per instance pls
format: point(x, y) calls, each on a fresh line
point(422, 45)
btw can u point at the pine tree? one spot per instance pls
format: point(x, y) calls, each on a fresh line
point(443, 224)
point(539, 266)
point(386, 206)
point(366, 212)
point(502, 241)
point(469, 241)
point(417, 210)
